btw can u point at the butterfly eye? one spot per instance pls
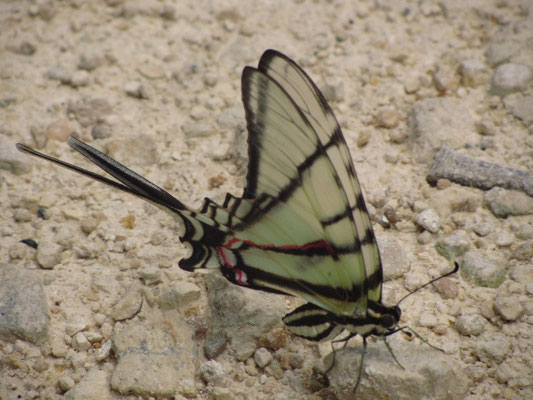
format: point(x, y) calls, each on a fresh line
point(387, 321)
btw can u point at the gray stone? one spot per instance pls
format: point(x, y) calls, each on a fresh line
point(494, 349)
point(504, 203)
point(470, 325)
point(129, 304)
point(481, 271)
point(214, 344)
point(149, 364)
point(436, 122)
point(11, 159)
point(504, 239)
point(429, 220)
point(135, 89)
point(93, 386)
point(100, 131)
point(58, 73)
point(23, 307)
point(522, 108)
point(524, 231)
point(262, 357)
point(509, 78)
point(241, 314)
point(482, 228)
point(90, 61)
point(427, 374)
point(522, 273)
point(456, 167)
point(395, 262)
point(179, 294)
point(452, 246)
point(509, 308)
point(523, 251)
point(498, 53)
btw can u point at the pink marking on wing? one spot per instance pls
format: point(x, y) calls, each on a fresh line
point(231, 242)
point(222, 255)
point(239, 276)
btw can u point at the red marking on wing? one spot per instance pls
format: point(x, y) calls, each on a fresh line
point(227, 263)
point(225, 260)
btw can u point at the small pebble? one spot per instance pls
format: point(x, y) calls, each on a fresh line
point(89, 62)
point(509, 78)
point(262, 357)
point(470, 325)
point(486, 127)
point(24, 48)
point(65, 383)
point(48, 254)
point(79, 78)
point(80, 342)
point(135, 89)
point(215, 344)
point(59, 130)
point(504, 203)
point(151, 275)
point(452, 246)
point(524, 231)
point(473, 73)
point(523, 252)
point(482, 228)
point(498, 53)
point(363, 138)
point(509, 308)
point(334, 89)
point(429, 220)
point(58, 73)
point(482, 271)
point(504, 239)
point(387, 118)
point(523, 109)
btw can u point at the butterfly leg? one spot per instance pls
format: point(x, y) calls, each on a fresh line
point(410, 330)
point(391, 352)
point(361, 365)
point(334, 351)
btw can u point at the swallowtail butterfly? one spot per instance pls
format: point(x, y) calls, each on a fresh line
point(301, 226)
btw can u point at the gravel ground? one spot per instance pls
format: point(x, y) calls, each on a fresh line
point(100, 309)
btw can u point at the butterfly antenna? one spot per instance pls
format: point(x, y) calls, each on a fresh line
point(429, 283)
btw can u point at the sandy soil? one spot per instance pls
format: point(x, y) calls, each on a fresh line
point(157, 85)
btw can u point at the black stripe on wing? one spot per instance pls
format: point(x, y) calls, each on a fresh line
point(262, 280)
point(312, 323)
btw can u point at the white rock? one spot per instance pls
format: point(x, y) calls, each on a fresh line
point(429, 220)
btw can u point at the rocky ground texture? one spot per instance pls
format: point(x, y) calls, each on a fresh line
point(436, 102)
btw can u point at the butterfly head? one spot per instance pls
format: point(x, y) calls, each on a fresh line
point(390, 318)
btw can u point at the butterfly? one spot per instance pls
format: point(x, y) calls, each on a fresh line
point(301, 226)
